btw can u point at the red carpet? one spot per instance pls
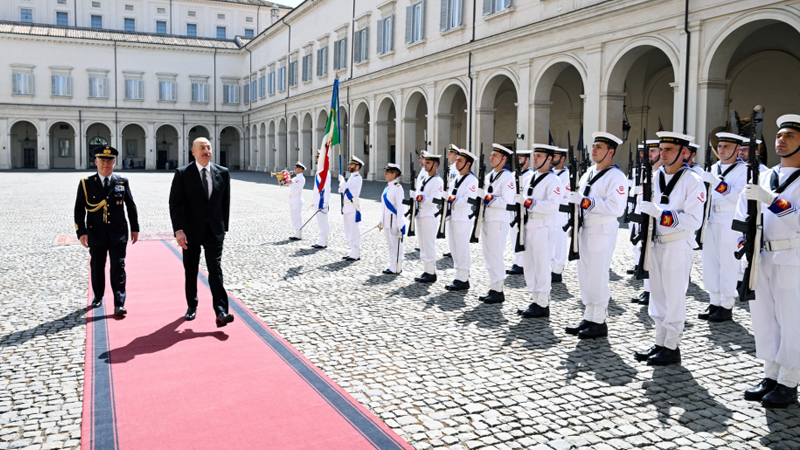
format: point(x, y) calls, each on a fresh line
point(155, 381)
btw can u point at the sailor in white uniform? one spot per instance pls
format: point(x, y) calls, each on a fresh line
point(322, 202)
point(351, 208)
point(558, 237)
point(296, 200)
point(428, 196)
point(463, 193)
point(524, 161)
point(392, 222)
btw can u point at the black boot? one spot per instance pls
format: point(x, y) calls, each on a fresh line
point(665, 357)
point(535, 311)
point(640, 297)
point(581, 326)
point(645, 300)
point(594, 330)
point(494, 297)
point(709, 311)
point(555, 277)
point(426, 278)
point(515, 270)
point(780, 397)
point(643, 355)
point(457, 285)
point(721, 315)
point(759, 391)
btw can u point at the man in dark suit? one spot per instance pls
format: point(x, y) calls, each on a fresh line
point(199, 206)
point(100, 225)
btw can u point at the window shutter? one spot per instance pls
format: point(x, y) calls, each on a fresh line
point(127, 89)
point(30, 84)
point(444, 13)
point(15, 83)
point(53, 85)
point(174, 91)
point(409, 24)
point(487, 7)
point(336, 51)
point(140, 86)
point(357, 46)
point(390, 32)
point(205, 93)
point(458, 7)
point(365, 44)
point(422, 21)
point(69, 87)
point(381, 24)
point(325, 61)
point(343, 54)
point(195, 92)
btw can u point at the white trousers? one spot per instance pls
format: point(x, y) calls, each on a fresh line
point(776, 321)
point(720, 266)
point(669, 280)
point(296, 213)
point(593, 266)
point(493, 239)
point(538, 252)
point(458, 238)
point(352, 234)
point(426, 236)
point(396, 251)
point(558, 241)
point(324, 227)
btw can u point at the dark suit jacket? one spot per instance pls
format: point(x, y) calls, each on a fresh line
point(190, 208)
point(113, 229)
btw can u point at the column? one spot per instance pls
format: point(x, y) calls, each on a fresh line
point(524, 107)
point(540, 111)
point(42, 146)
point(5, 144)
point(150, 147)
point(593, 110)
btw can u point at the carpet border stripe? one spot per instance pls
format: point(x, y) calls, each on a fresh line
point(103, 422)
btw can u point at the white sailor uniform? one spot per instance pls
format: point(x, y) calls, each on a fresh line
point(543, 195)
point(322, 203)
point(500, 190)
point(352, 213)
point(432, 188)
point(393, 224)
point(296, 204)
point(462, 190)
point(525, 179)
point(558, 237)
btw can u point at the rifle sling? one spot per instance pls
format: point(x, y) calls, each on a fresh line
point(786, 183)
point(594, 180)
point(722, 174)
point(536, 180)
point(666, 188)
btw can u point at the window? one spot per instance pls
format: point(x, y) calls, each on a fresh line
point(360, 39)
point(262, 86)
point(98, 87)
point(167, 91)
point(191, 29)
point(230, 94)
point(451, 14)
point(271, 83)
point(281, 79)
point(493, 6)
point(63, 148)
point(415, 22)
point(130, 25)
point(322, 62)
point(61, 85)
point(200, 92)
point(248, 32)
point(293, 73)
point(97, 21)
point(26, 15)
point(253, 88)
point(220, 32)
point(192, 13)
point(306, 68)
point(134, 89)
point(161, 27)
point(95, 4)
point(220, 16)
point(62, 19)
point(246, 93)
point(386, 35)
point(22, 83)
point(128, 7)
point(161, 10)
point(340, 54)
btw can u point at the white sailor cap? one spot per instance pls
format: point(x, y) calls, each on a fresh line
point(300, 165)
point(562, 151)
point(694, 147)
point(670, 137)
point(746, 141)
point(356, 160)
point(453, 148)
point(422, 154)
point(651, 143)
point(606, 138)
point(392, 166)
point(789, 121)
point(502, 149)
point(641, 147)
point(467, 154)
point(524, 153)
point(432, 157)
point(730, 137)
point(549, 149)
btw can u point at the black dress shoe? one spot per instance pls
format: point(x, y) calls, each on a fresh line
point(594, 330)
point(389, 272)
point(555, 277)
point(293, 238)
point(97, 302)
point(780, 397)
point(643, 355)
point(640, 297)
point(120, 311)
point(348, 258)
point(758, 392)
point(581, 326)
point(448, 255)
point(721, 315)
point(426, 278)
point(665, 357)
point(534, 311)
point(709, 311)
point(515, 270)
point(645, 299)
point(494, 297)
point(319, 246)
point(458, 285)
point(191, 313)
point(345, 257)
point(224, 319)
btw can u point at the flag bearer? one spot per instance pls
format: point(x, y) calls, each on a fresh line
point(322, 202)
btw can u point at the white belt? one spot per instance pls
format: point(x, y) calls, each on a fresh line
point(672, 237)
point(724, 208)
point(295, 196)
point(535, 215)
point(599, 221)
point(784, 244)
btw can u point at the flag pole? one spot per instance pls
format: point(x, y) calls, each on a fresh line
point(339, 144)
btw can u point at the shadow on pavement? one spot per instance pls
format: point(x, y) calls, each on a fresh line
point(596, 356)
point(67, 322)
point(448, 301)
point(536, 334)
point(484, 316)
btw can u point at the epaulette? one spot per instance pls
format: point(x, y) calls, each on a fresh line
point(397, 183)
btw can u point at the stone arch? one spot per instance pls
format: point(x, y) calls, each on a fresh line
point(228, 151)
point(261, 150)
point(133, 145)
point(283, 144)
point(452, 119)
point(557, 103)
point(24, 141)
point(386, 133)
point(97, 129)
point(272, 147)
point(415, 126)
point(307, 143)
point(62, 140)
point(496, 116)
point(168, 147)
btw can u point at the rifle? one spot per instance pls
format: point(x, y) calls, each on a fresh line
point(479, 206)
point(574, 222)
point(412, 201)
point(751, 227)
point(444, 211)
point(648, 224)
point(631, 198)
point(700, 235)
point(637, 181)
point(520, 216)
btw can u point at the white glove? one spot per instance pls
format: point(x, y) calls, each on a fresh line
point(710, 178)
point(481, 193)
point(341, 179)
point(756, 192)
point(575, 198)
point(637, 190)
point(519, 198)
point(651, 209)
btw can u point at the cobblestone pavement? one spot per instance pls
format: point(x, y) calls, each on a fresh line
point(441, 368)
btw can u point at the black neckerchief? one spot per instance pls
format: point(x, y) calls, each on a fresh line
point(458, 183)
point(665, 188)
point(536, 180)
point(786, 183)
point(594, 180)
point(728, 170)
point(425, 183)
point(561, 171)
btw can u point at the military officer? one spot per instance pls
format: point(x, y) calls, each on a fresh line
point(352, 208)
point(558, 238)
point(501, 188)
point(524, 161)
point(602, 199)
point(654, 156)
point(100, 225)
point(392, 222)
point(677, 207)
point(776, 310)
point(720, 267)
point(461, 195)
point(428, 193)
point(296, 200)
point(541, 196)
point(322, 202)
